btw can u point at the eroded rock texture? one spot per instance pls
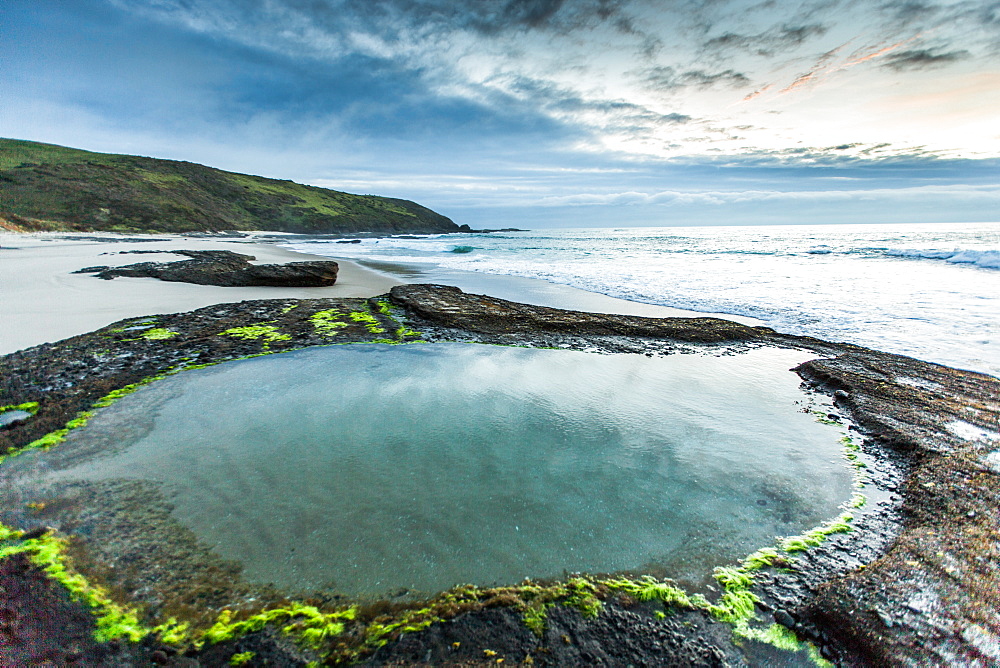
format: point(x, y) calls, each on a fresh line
point(227, 269)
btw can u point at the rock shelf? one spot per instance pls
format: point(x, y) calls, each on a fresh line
point(914, 582)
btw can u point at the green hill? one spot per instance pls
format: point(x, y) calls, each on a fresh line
point(47, 187)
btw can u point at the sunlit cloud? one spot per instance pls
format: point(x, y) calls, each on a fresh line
point(461, 102)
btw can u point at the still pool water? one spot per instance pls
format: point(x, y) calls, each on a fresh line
point(368, 469)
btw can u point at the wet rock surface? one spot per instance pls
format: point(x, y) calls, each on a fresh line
point(914, 582)
point(226, 269)
point(620, 636)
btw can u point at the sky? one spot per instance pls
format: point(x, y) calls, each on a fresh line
point(534, 113)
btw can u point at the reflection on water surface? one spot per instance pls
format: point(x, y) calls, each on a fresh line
point(367, 469)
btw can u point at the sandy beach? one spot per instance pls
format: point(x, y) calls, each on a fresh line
point(43, 301)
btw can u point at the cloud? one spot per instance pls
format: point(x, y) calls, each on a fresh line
point(600, 114)
point(990, 193)
point(767, 43)
point(667, 78)
point(918, 59)
point(430, 88)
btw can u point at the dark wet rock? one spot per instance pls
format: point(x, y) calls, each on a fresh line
point(36, 532)
point(356, 241)
point(227, 269)
point(449, 307)
point(617, 637)
point(43, 626)
point(784, 618)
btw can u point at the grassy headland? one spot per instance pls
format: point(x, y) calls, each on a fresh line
point(44, 187)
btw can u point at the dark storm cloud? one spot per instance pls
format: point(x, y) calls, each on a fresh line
point(917, 59)
point(767, 43)
point(667, 78)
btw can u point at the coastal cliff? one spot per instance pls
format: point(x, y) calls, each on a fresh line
point(44, 187)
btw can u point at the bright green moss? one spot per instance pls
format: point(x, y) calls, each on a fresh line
point(371, 322)
point(158, 334)
point(54, 438)
point(326, 322)
point(782, 638)
point(377, 634)
point(766, 556)
point(242, 658)
point(648, 588)
point(305, 623)
point(113, 621)
point(404, 332)
point(267, 333)
point(535, 618)
point(27, 407)
point(732, 577)
point(840, 524)
point(582, 595)
point(736, 606)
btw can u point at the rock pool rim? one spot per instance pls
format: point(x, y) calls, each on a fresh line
point(325, 366)
point(311, 626)
point(894, 416)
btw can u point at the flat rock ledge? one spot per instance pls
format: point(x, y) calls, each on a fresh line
point(915, 583)
point(225, 268)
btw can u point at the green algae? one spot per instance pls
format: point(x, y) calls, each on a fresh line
point(27, 407)
point(814, 537)
point(765, 556)
point(403, 332)
point(385, 308)
point(54, 438)
point(158, 334)
point(262, 331)
point(241, 658)
point(315, 629)
point(327, 322)
point(145, 322)
point(370, 322)
point(303, 623)
point(648, 588)
point(578, 593)
point(377, 634)
point(822, 418)
point(48, 552)
point(535, 617)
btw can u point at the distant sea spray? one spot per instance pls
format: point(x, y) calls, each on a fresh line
point(929, 291)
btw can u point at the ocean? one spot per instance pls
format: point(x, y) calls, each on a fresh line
point(930, 291)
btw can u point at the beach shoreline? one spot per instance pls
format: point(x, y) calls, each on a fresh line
point(44, 301)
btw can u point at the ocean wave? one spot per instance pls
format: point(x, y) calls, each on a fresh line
point(986, 259)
